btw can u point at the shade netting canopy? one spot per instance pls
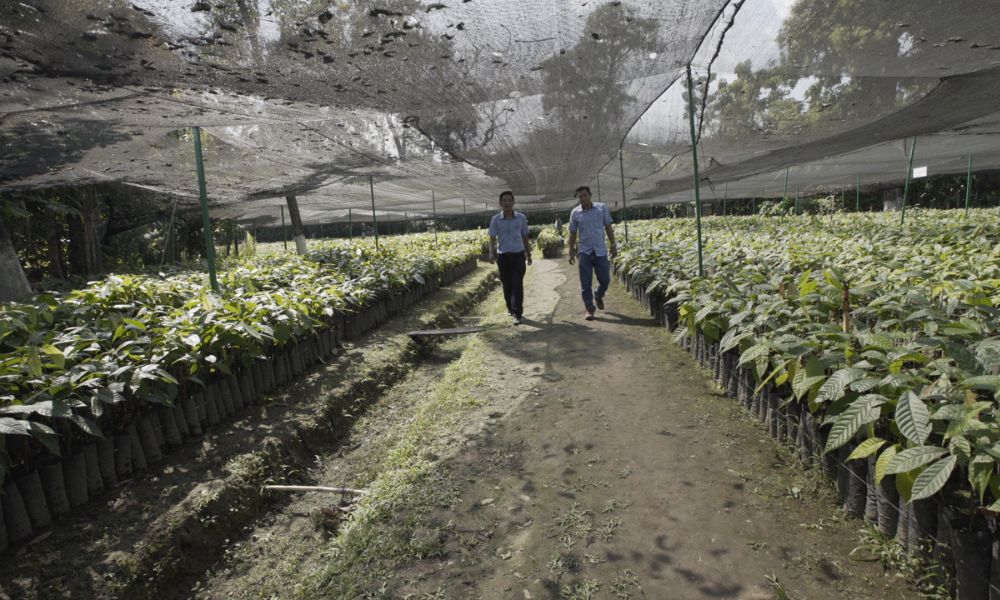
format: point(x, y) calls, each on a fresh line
point(439, 106)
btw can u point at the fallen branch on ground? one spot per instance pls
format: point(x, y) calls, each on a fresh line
point(314, 488)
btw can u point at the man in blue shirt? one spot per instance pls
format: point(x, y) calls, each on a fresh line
point(509, 236)
point(590, 222)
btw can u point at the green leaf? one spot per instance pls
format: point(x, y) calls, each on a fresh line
point(884, 459)
point(753, 353)
point(45, 435)
point(904, 485)
point(867, 448)
point(34, 362)
point(55, 356)
point(933, 478)
point(913, 418)
point(862, 411)
point(914, 458)
point(980, 470)
point(803, 383)
point(87, 425)
point(834, 387)
point(135, 324)
point(960, 447)
point(982, 382)
point(9, 426)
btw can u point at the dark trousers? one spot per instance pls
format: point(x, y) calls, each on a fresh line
point(512, 268)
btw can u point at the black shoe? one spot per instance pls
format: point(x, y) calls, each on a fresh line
point(517, 319)
point(599, 302)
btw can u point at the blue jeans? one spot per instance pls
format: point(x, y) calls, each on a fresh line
point(590, 265)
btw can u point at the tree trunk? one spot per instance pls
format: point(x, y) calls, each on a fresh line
point(892, 199)
point(55, 253)
point(13, 283)
point(86, 257)
point(298, 232)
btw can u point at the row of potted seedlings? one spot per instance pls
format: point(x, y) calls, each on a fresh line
point(836, 416)
point(73, 455)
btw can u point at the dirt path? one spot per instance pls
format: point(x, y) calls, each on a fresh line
point(580, 460)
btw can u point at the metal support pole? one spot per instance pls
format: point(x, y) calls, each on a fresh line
point(371, 186)
point(284, 232)
point(968, 187)
point(350, 224)
point(621, 164)
point(694, 158)
point(465, 218)
point(206, 221)
point(753, 205)
point(784, 194)
point(906, 186)
point(725, 192)
point(435, 211)
point(599, 188)
point(857, 195)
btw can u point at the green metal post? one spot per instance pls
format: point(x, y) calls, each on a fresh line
point(621, 165)
point(284, 232)
point(206, 221)
point(784, 194)
point(857, 195)
point(435, 211)
point(694, 158)
point(968, 187)
point(906, 186)
point(350, 224)
point(371, 186)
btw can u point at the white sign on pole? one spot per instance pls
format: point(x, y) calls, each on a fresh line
point(919, 172)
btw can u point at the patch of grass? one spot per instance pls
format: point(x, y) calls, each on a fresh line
point(780, 593)
point(607, 529)
point(407, 482)
point(584, 590)
point(625, 585)
point(573, 525)
point(932, 579)
point(560, 564)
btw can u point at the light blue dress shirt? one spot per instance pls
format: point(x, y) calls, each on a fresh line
point(509, 232)
point(589, 228)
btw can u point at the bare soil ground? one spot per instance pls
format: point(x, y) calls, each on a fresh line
point(561, 458)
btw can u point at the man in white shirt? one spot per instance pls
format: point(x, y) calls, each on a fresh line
point(590, 222)
point(509, 248)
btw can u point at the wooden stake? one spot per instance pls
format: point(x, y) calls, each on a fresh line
point(314, 488)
